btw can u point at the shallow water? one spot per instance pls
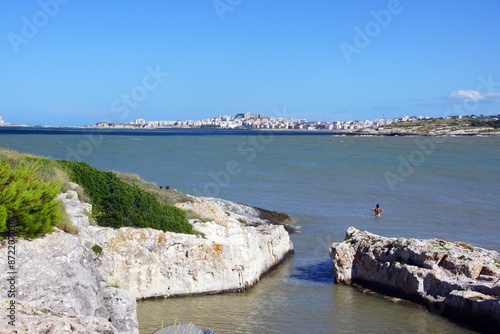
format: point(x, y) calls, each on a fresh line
point(327, 183)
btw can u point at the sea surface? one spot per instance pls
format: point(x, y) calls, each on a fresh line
point(428, 187)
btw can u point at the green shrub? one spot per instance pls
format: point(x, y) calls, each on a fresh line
point(116, 203)
point(97, 250)
point(28, 200)
point(3, 219)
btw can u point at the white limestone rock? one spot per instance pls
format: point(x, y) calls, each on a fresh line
point(451, 278)
point(57, 283)
point(31, 319)
point(63, 286)
point(251, 215)
point(122, 309)
point(78, 210)
point(230, 256)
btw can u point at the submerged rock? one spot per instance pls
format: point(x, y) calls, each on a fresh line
point(451, 278)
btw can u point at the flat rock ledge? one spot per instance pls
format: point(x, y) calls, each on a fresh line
point(231, 251)
point(453, 279)
point(89, 282)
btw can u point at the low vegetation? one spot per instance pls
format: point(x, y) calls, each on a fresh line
point(116, 203)
point(466, 245)
point(435, 124)
point(67, 226)
point(494, 123)
point(164, 196)
point(28, 189)
point(30, 184)
point(195, 215)
point(97, 250)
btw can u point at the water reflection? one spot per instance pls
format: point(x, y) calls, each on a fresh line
point(356, 312)
point(247, 312)
point(292, 300)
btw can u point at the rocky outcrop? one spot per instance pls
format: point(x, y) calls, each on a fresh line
point(227, 254)
point(252, 215)
point(32, 319)
point(88, 282)
point(58, 286)
point(451, 278)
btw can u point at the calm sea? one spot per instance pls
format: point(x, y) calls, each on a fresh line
point(444, 187)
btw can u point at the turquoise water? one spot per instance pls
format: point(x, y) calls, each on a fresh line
point(327, 183)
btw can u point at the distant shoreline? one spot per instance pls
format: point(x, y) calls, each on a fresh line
point(380, 132)
point(447, 131)
point(68, 130)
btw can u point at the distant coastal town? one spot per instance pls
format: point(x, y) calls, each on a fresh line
point(256, 121)
point(262, 122)
point(403, 125)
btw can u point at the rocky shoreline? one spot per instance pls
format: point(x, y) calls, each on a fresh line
point(89, 282)
point(452, 279)
point(418, 131)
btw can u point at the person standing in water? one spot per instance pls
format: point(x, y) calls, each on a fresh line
point(377, 210)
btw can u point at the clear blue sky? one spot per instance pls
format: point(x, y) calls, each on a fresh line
point(70, 62)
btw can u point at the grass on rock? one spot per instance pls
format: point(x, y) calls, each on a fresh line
point(29, 186)
point(116, 203)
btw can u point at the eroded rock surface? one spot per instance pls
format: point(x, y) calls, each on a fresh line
point(88, 282)
point(58, 285)
point(227, 254)
point(451, 278)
